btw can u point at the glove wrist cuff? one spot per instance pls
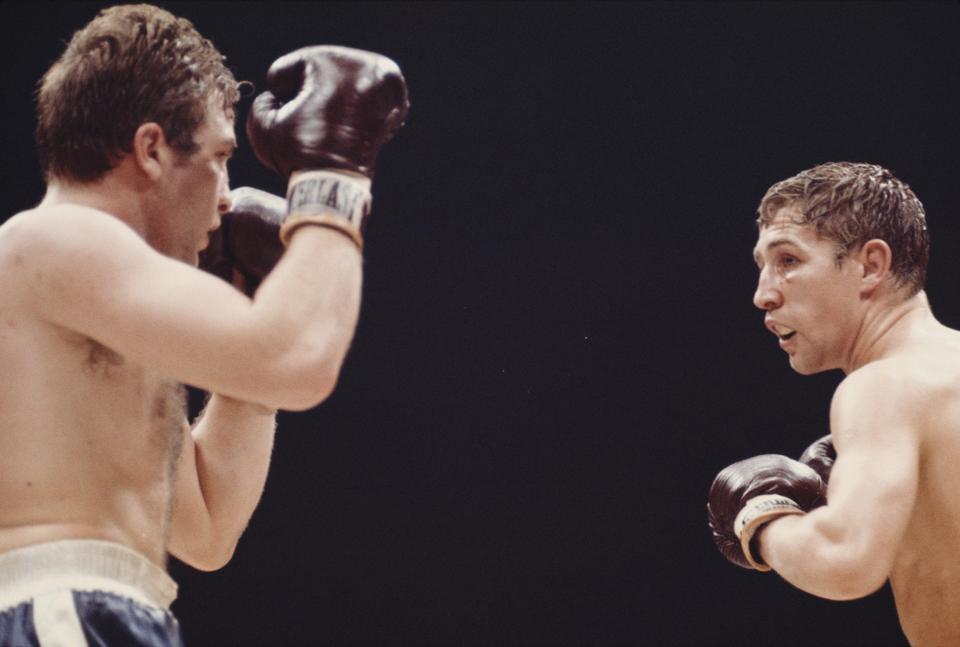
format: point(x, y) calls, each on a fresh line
point(755, 513)
point(331, 199)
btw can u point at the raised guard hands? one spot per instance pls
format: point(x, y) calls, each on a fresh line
point(321, 122)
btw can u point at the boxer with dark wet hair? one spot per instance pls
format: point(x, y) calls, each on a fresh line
point(104, 313)
point(842, 255)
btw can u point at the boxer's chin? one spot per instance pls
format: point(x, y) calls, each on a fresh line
point(802, 367)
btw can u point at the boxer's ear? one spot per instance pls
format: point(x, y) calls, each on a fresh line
point(150, 150)
point(875, 258)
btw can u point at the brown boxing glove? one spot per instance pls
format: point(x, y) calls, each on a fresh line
point(753, 492)
point(820, 456)
point(321, 123)
point(247, 245)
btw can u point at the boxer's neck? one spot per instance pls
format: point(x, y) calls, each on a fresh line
point(113, 194)
point(887, 328)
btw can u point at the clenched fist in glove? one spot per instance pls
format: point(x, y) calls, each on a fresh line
point(325, 115)
point(820, 456)
point(247, 245)
point(753, 492)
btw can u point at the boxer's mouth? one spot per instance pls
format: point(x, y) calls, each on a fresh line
point(783, 332)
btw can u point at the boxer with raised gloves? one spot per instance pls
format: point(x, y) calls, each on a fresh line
point(326, 113)
point(820, 456)
point(247, 245)
point(754, 492)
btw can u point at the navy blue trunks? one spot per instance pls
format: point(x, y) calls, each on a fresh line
point(80, 593)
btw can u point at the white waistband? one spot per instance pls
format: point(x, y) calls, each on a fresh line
point(82, 565)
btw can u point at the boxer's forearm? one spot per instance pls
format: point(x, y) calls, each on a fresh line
point(819, 556)
point(311, 299)
point(220, 480)
point(233, 441)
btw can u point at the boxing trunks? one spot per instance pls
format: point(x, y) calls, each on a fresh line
point(79, 593)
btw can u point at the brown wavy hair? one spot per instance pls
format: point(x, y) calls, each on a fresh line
point(850, 204)
point(130, 65)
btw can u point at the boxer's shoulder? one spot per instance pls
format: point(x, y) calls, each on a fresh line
point(884, 373)
point(45, 250)
point(69, 218)
point(18, 236)
point(47, 233)
point(881, 390)
point(914, 367)
point(928, 365)
point(48, 224)
point(912, 390)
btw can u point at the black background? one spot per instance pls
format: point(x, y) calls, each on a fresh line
point(557, 349)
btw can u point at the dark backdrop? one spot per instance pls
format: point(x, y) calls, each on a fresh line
point(557, 349)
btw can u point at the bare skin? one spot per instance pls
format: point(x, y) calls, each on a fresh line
point(104, 316)
point(892, 509)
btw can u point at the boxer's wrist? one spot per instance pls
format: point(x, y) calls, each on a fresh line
point(340, 200)
point(753, 518)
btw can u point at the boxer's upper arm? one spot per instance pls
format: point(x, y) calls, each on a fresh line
point(89, 272)
point(875, 423)
point(846, 549)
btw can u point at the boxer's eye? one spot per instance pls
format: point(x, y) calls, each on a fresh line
point(787, 261)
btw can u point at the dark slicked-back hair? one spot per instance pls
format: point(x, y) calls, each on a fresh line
point(851, 204)
point(130, 65)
